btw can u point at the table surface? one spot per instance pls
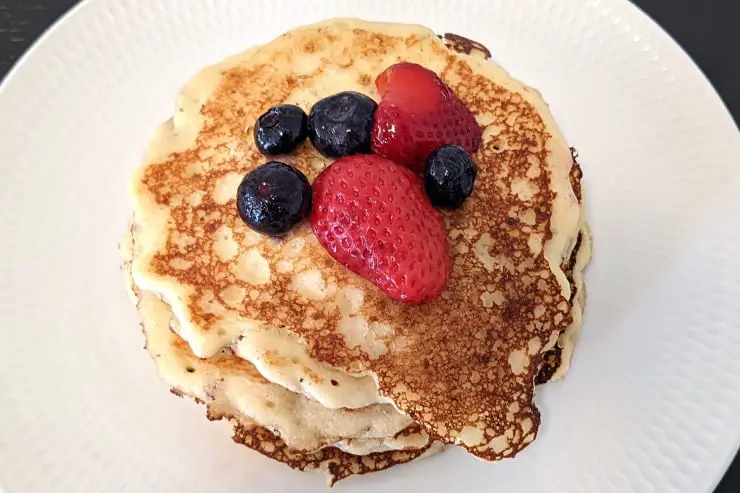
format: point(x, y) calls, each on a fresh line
point(705, 28)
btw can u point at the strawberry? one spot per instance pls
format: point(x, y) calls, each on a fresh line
point(373, 216)
point(418, 113)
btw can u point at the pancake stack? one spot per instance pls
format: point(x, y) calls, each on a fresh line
point(314, 366)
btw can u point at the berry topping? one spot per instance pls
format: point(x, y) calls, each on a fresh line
point(373, 216)
point(340, 125)
point(273, 198)
point(449, 176)
point(280, 129)
point(418, 113)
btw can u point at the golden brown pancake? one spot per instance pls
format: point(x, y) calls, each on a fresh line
point(231, 386)
point(204, 381)
point(409, 444)
point(333, 461)
point(464, 365)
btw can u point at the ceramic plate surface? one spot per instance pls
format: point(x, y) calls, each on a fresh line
point(652, 403)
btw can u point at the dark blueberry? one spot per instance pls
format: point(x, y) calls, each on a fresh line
point(273, 198)
point(340, 125)
point(280, 129)
point(449, 176)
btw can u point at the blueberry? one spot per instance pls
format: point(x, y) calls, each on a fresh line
point(273, 198)
point(340, 125)
point(449, 176)
point(280, 129)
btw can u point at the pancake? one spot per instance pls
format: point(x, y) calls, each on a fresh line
point(336, 463)
point(282, 359)
point(230, 386)
point(233, 385)
point(462, 366)
point(556, 361)
point(285, 361)
point(569, 337)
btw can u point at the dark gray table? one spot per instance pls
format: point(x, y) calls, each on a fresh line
point(707, 29)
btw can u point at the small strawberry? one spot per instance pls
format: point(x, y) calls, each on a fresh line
point(373, 216)
point(417, 114)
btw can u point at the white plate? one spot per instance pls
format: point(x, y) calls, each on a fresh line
point(653, 399)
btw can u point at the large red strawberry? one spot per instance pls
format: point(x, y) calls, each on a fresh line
point(417, 114)
point(373, 216)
